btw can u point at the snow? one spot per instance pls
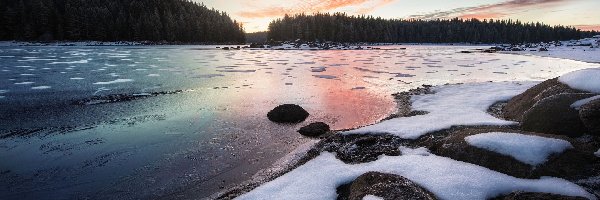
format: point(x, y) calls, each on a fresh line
point(372, 197)
point(43, 87)
point(529, 149)
point(451, 105)
point(597, 153)
point(582, 102)
point(422, 151)
point(24, 83)
point(113, 82)
point(585, 80)
point(444, 177)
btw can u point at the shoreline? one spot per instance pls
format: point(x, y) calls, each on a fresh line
point(403, 106)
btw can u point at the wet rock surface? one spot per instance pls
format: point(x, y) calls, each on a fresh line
point(287, 113)
point(314, 129)
point(386, 186)
point(590, 116)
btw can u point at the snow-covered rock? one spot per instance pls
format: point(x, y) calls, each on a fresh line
point(451, 105)
point(582, 102)
point(444, 177)
point(530, 149)
point(585, 80)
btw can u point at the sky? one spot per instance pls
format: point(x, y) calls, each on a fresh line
point(256, 14)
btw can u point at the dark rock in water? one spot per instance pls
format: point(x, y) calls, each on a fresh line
point(536, 196)
point(543, 49)
point(576, 163)
point(466, 52)
point(386, 186)
point(314, 129)
point(590, 116)
point(554, 115)
point(287, 113)
point(518, 105)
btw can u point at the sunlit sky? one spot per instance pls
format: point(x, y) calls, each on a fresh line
point(256, 14)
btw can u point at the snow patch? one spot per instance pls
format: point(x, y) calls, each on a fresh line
point(585, 79)
point(421, 151)
point(444, 177)
point(529, 149)
point(24, 83)
point(597, 153)
point(451, 105)
point(113, 82)
point(582, 102)
point(43, 87)
point(371, 197)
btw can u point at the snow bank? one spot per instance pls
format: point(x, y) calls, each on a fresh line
point(451, 105)
point(582, 102)
point(529, 149)
point(444, 177)
point(585, 80)
point(597, 153)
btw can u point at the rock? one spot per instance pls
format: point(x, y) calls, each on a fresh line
point(287, 113)
point(466, 52)
point(518, 105)
point(590, 116)
point(536, 196)
point(554, 115)
point(571, 164)
point(314, 129)
point(543, 49)
point(387, 186)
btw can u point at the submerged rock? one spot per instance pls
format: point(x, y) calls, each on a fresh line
point(287, 113)
point(590, 116)
point(387, 186)
point(536, 195)
point(314, 129)
point(555, 115)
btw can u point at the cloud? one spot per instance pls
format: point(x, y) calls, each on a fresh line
point(588, 27)
point(313, 6)
point(489, 11)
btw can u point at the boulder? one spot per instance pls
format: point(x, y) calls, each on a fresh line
point(536, 195)
point(287, 113)
point(314, 129)
point(555, 115)
point(571, 164)
point(590, 116)
point(518, 105)
point(387, 186)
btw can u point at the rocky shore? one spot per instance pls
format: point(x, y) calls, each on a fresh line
point(554, 133)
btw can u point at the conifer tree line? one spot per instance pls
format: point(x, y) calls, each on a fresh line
point(116, 20)
point(339, 27)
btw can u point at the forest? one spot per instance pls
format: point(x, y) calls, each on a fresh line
point(173, 21)
point(339, 27)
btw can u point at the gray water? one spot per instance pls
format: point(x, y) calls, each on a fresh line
point(194, 120)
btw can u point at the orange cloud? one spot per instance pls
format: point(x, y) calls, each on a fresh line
point(589, 27)
point(313, 6)
point(490, 11)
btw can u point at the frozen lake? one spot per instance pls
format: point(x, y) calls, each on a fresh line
point(162, 121)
